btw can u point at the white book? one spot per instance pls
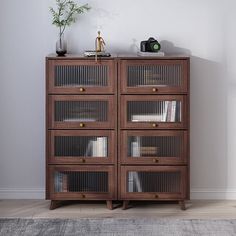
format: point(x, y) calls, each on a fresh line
point(147, 118)
point(137, 181)
point(164, 114)
point(79, 120)
point(131, 182)
point(99, 147)
point(135, 149)
point(104, 146)
point(94, 148)
point(152, 54)
point(173, 110)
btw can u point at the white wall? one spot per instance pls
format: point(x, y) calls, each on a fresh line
point(204, 29)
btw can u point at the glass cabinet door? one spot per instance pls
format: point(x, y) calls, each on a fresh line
point(154, 76)
point(154, 147)
point(81, 77)
point(82, 111)
point(82, 147)
point(148, 182)
point(159, 111)
point(82, 182)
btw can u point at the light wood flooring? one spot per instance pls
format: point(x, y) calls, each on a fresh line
point(195, 210)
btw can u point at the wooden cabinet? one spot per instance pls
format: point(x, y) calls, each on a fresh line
point(117, 129)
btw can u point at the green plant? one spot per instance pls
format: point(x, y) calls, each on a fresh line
point(66, 13)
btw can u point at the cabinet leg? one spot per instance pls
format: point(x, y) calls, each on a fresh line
point(109, 205)
point(125, 205)
point(54, 204)
point(182, 205)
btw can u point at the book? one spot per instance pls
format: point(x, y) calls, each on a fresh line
point(152, 54)
point(173, 111)
point(164, 112)
point(135, 148)
point(147, 118)
point(169, 108)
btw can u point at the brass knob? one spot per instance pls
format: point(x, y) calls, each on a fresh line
point(83, 160)
point(81, 89)
point(83, 196)
point(154, 125)
point(154, 90)
point(156, 196)
point(81, 125)
point(155, 160)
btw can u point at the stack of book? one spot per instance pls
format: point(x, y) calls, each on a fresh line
point(171, 112)
point(97, 148)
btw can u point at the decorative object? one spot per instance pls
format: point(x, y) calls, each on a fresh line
point(150, 45)
point(65, 14)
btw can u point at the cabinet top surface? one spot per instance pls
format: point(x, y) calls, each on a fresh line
point(116, 56)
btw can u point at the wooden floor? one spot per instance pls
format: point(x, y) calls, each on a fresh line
point(195, 210)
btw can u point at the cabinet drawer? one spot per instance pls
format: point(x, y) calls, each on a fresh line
point(157, 183)
point(82, 146)
point(82, 112)
point(82, 182)
point(154, 147)
point(81, 77)
point(154, 76)
point(153, 111)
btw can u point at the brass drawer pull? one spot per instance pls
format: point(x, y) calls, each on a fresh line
point(154, 125)
point(83, 160)
point(83, 196)
point(154, 90)
point(81, 125)
point(155, 160)
point(156, 196)
point(81, 89)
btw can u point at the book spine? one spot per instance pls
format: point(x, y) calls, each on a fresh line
point(173, 111)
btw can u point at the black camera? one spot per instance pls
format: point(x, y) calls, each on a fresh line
point(150, 45)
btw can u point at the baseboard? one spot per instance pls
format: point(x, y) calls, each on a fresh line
point(197, 193)
point(214, 194)
point(22, 193)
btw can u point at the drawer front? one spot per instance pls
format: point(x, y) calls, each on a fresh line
point(82, 182)
point(153, 112)
point(157, 183)
point(154, 147)
point(82, 112)
point(81, 77)
point(154, 76)
point(82, 146)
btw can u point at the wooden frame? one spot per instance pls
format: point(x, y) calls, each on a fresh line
point(117, 129)
point(153, 125)
point(153, 89)
point(110, 159)
point(111, 113)
point(111, 194)
point(153, 195)
point(154, 160)
point(109, 89)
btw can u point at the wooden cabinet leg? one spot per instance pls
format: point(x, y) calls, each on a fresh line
point(182, 205)
point(125, 205)
point(109, 205)
point(54, 204)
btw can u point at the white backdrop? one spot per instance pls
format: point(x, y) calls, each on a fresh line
point(203, 29)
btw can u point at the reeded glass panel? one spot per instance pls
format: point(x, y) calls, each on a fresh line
point(154, 111)
point(80, 181)
point(154, 75)
point(81, 75)
point(77, 146)
point(162, 182)
point(77, 111)
point(154, 146)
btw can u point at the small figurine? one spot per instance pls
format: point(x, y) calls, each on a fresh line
point(99, 43)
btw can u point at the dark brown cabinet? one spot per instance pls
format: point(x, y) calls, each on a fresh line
point(117, 129)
